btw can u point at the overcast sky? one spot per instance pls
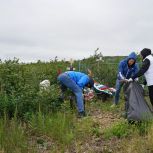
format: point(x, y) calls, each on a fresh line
point(41, 29)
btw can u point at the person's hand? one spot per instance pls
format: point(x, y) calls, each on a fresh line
point(136, 79)
point(130, 80)
point(124, 80)
point(142, 85)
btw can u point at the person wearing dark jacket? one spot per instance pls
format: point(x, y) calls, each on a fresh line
point(76, 81)
point(146, 70)
point(127, 68)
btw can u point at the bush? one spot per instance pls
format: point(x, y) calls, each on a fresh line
point(19, 88)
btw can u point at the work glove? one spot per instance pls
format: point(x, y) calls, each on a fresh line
point(130, 80)
point(136, 79)
point(142, 85)
point(124, 80)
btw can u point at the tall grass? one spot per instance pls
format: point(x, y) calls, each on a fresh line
point(138, 143)
point(57, 126)
point(63, 128)
point(123, 128)
point(12, 137)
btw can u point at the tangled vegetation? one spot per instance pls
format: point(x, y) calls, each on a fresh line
point(33, 120)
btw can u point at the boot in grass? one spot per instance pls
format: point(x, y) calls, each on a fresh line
point(81, 114)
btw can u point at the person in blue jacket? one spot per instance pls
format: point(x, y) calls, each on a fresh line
point(75, 81)
point(127, 68)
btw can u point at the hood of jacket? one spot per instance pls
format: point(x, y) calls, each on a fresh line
point(133, 55)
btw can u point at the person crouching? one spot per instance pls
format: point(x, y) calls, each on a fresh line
point(75, 81)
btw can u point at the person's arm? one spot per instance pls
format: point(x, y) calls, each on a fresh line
point(83, 81)
point(143, 69)
point(136, 68)
point(120, 69)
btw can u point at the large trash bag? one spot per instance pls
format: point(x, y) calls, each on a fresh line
point(136, 106)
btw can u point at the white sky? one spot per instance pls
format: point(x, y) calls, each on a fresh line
point(41, 29)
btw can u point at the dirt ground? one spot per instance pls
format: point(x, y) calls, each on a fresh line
point(103, 119)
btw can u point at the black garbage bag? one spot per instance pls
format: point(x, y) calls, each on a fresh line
point(136, 106)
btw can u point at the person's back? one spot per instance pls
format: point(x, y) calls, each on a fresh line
point(76, 76)
point(75, 81)
point(81, 79)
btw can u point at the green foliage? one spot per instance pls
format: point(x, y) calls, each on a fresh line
point(85, 128)
point(19, 88)
point(123, 129)
point(58, 126)
point(19, 83)
point(139, 143)
point(96, 131)
point(12, 137)
point(21, 98)
point(104, 68)
point(120, 129)
point(142, 127)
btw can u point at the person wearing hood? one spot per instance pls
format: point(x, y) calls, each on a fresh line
point(75, 81)
point(146, 70)
point(126, 69)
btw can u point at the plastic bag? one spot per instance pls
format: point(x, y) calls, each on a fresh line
point(136, 106)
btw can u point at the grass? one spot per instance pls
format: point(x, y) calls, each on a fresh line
point(119, 129)
point(63, 128)
point(84, 129)
point(67, 133)
point(58, 126)
point(138, 143)
point(13, 138)
point(125, 129)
